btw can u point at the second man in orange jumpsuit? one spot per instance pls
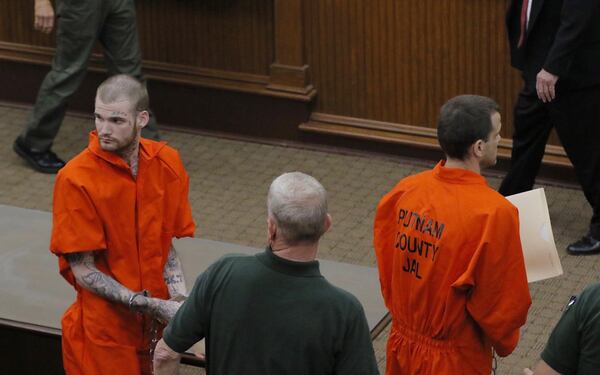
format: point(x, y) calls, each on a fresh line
point(449, 255)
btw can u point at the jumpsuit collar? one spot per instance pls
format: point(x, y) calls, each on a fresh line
point(457, 175)
point(148, 150)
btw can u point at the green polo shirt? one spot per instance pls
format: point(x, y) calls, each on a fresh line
point(574, 345)
point(264, 315)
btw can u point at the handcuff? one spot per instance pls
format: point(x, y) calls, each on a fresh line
point(144, 293)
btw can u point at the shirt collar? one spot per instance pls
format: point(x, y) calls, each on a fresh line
point(457, 175)
point(110, 157)
point(289, 267)
point(148, 150)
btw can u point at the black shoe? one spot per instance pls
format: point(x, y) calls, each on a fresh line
point(586, 245)
point(45, 161)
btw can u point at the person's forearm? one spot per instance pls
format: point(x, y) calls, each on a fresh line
point(166, 360)
point(173, 275)
point(542, 368)
point(97, 282)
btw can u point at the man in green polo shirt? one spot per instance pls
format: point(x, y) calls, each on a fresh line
point(574, 345)
point(274, 313)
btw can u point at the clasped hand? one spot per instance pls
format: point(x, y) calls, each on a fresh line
point(162, 310)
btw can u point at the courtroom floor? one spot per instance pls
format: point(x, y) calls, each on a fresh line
point(228, 186)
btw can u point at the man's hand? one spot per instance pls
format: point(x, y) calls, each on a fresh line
point(44, 16)
point(165, 310)
point(545, 86)
point(166, 360)
point(542, 368)
point(162, 310)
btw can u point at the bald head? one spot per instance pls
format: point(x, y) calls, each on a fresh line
point(123, 87)
point(297, 203)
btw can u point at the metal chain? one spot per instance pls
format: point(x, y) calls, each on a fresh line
point(153, 340)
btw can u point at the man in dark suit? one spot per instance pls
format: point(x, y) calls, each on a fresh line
point(556, 46)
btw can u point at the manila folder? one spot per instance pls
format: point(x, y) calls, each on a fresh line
point(541, 258)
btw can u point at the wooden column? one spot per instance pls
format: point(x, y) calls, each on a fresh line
point(289, 72)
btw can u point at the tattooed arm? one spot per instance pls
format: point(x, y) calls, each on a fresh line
point(160, 309)
point(173, 275)
point(89, 277)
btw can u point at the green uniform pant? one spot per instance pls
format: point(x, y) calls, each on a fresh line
point(80, 23)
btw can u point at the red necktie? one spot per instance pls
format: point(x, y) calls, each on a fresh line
point(523, 23)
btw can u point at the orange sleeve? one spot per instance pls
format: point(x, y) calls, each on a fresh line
point(499, 298)
point(76, 226)
point(383, 237)
point(184, 222)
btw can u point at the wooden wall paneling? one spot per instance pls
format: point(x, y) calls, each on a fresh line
point(403, 98)
point(386, 36)
point(359, 88)
point(213, 43)
point(370, 69)
point(337, 50)
point(212, 34)
point(289, 72)
point(209, 34)
point(408, 35)
point(393, 61)
point(414, 55)
point(334, 52)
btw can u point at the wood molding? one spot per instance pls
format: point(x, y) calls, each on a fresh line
point(291, 79)
point(387, 132)
point(290, 73)
point(172, 73)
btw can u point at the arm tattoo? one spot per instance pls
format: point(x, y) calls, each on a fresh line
point(89, 277)
point(92, 279)
point(134, 167)
point(164, 310)
point(161, 309)
point(173, 275)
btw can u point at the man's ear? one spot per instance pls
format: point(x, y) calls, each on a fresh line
point(478, 149)
point(328, 223)
point(142, 119)
point(271, 227)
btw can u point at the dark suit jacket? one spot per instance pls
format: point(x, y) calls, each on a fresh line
point(563, 37)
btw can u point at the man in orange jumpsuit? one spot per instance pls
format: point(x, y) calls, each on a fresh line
point(449, 254)
point(117, 206)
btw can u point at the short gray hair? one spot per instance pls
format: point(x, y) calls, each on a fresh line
point(298, 204)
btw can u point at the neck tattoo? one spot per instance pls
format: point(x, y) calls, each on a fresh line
point(134, 166)
point(130, 154)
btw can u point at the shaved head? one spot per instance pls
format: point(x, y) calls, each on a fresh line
point(123, 87)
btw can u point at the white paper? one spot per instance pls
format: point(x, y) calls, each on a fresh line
point(539, 250)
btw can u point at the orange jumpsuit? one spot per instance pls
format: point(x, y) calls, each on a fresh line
point(98, 205)
point(452, 273)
